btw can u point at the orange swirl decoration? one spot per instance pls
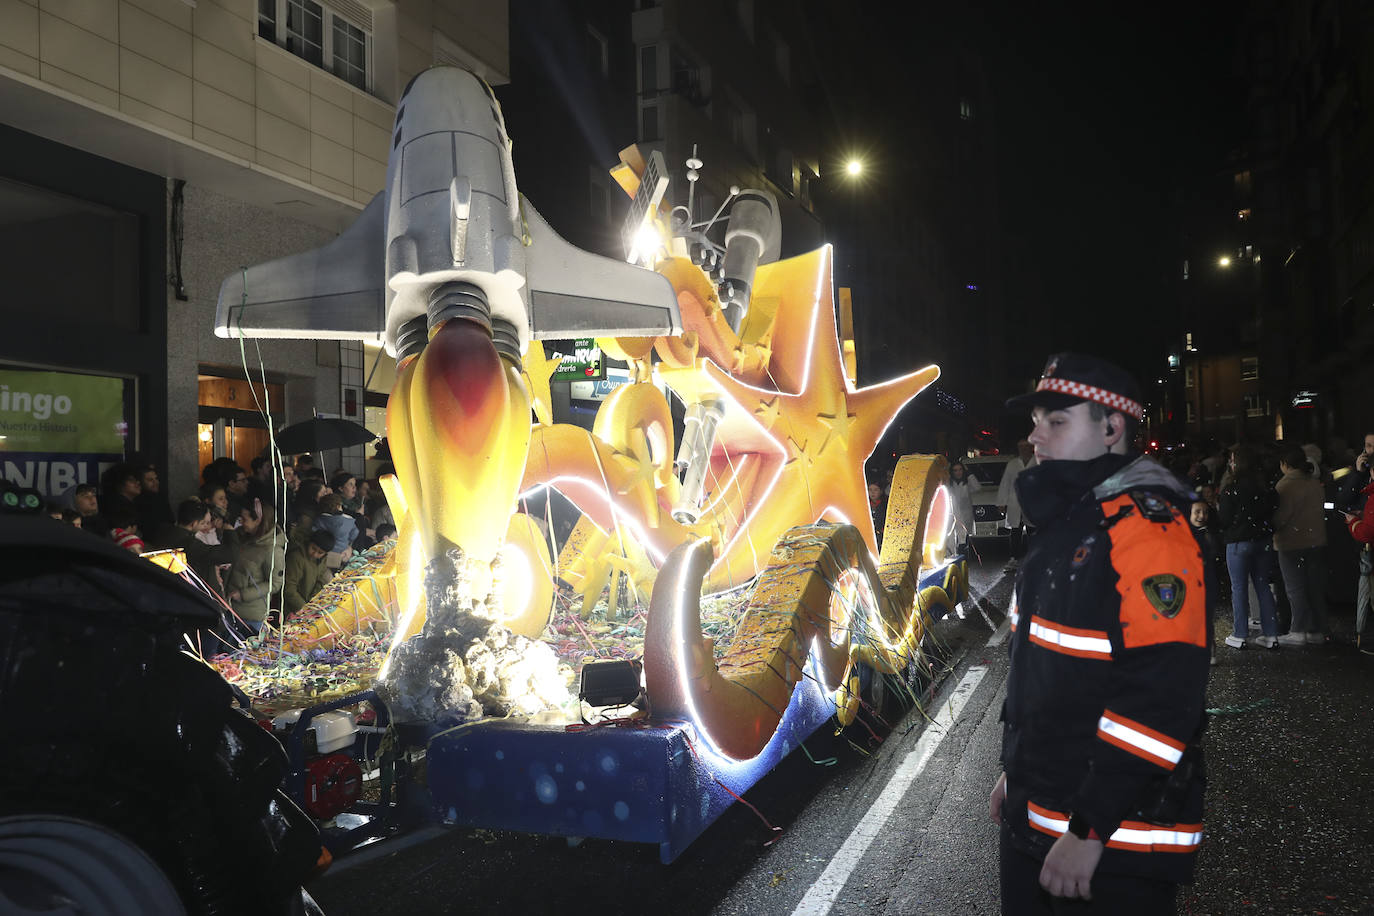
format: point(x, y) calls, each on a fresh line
point(819, 598)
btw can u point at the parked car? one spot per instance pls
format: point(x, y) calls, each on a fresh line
point(989, 521)
point(132, 782)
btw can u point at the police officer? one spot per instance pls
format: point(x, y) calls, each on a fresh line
point(1100, 797)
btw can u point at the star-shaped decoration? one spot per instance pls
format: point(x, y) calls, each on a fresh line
point(636, 471)
point(839, 426)
point(821, 427)
point(767, 412)
point(797, 451)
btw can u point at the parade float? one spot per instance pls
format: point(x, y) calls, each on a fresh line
point(721, 594)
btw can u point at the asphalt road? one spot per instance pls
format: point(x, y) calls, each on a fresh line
point(901, 827)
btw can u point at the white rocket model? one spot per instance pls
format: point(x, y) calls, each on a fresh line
point(450, 235)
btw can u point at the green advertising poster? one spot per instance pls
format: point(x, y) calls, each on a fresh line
point(584, 364)
point(60, 412)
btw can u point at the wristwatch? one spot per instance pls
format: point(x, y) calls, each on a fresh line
point(1079, 827)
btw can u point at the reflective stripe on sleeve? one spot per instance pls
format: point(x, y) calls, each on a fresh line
point(1140, 740)
point(1070, 640)
point(1135, 836)
point(1047, 821)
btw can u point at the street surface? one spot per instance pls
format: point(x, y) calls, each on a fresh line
point(904, 829)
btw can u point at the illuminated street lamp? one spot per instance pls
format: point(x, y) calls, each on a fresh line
point(1223, 261)
point(854, 167)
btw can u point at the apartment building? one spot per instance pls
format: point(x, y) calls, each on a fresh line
point(149, 148)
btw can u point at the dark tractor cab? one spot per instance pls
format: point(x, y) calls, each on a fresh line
point(132, 783)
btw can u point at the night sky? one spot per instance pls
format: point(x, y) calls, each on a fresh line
point(1104, 114)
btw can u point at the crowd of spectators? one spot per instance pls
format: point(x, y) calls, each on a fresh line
point(1284, 529)
point(1276, 522)
point(266, 539)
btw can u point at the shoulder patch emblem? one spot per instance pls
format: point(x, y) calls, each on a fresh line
point(1152, 507)
point(1165, 593)
point(1083, 551)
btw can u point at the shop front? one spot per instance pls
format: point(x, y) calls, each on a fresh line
point(83, 380)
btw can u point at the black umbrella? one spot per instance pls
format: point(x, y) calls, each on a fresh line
point(320, 434)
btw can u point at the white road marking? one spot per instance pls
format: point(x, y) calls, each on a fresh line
point(1000, 636)
point(986, 619)
point(820, 897)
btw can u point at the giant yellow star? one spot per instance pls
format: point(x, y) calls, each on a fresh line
point(811, 427)
point(789, 450)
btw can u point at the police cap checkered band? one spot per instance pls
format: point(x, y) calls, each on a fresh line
point(1071, 378)
point(1093, 393)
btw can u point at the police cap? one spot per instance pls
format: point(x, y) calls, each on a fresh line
point(1072, 378)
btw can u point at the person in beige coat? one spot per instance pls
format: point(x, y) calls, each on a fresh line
point(1300, 540)
point(260, 570)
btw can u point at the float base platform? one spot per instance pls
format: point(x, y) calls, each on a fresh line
point(660, 783)
point(655, 784)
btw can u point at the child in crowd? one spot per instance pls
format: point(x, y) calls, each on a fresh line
point(341, 525)
point(211, 534)
point(1209, 541)
point(124, 528)
point(386, 532)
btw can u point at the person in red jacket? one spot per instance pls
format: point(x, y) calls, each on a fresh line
point(1100, 799)
point(1362, 529)
point(1362, 526)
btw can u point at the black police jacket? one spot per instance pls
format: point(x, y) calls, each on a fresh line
point(1109, 663)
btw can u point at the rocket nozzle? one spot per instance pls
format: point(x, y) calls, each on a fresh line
point(411, 338)
point(457, 299)
point(468, 301)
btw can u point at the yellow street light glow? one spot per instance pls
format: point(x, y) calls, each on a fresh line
point(1223, 261)
point(854, 167)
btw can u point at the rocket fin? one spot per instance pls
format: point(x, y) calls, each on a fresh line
point(574, 293)
point(336, 292)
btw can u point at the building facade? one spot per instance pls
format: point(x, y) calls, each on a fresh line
point(725, 84)
point(722, 83)
point(152, 147)
point(1309, 67)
